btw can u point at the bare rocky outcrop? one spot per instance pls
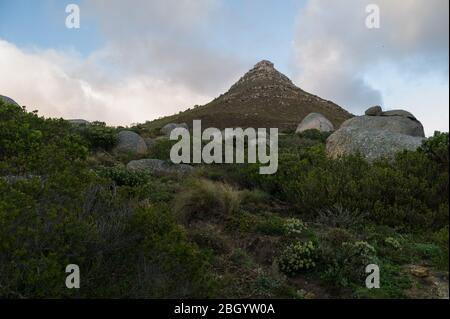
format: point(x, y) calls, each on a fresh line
point(371, 143)
point(394, 124)
point(376, 136)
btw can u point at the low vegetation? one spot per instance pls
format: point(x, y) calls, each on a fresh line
point(308, 231)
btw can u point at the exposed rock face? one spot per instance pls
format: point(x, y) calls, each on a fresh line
point(376, 137)
point(159, 166)
point(171, 126)
point(394, 124)
point(370, 143)
point(130, 142)
point(374, 111)
point(401, 113)
point(315, 121)
point(261, 98)
point(8, 100)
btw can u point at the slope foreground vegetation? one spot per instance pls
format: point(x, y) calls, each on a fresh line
point(307, 231)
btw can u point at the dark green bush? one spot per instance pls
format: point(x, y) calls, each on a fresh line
point(314, 134)
point(56, 211)
point(436, 148)
point(99, 136)
point(123, 176)
point(161, 148)
point(410, 193)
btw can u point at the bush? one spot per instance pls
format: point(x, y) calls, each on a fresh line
point(208, 237)
point(270, 224)
point(294, 227)
point(58, 212)
point(203, 199)
point(98, 135)
point(123, 176)
point(408, 194)
point(297, 257)
point(339, 217)
point(345, 264)
point(161, 148)
point(314, 134)
point(123, 249)
point(436, 148)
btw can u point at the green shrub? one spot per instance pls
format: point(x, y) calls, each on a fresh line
point(161, 148)
point(297, 257)
point(98, 135)
point(208, 237)
point(268, 285)
point(314, 134)
point(393, 243)
point(436, 148)
point(58, 212)
point(294, 227)
point(270, 224)
point(345, 264)
point(408, 194)
point(123, 176)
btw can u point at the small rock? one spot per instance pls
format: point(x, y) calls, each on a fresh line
point(419, 271)
point(310, 295)
point(374, 111)
point(171, 126)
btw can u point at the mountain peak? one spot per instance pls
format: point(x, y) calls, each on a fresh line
point(264, 64)
point(262, 97)
point(262, 74)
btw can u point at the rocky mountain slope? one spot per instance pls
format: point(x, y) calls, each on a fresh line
point(263, 97)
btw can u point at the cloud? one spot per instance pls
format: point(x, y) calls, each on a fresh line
point(166, 39)
point(61, 85)
point(334, 51)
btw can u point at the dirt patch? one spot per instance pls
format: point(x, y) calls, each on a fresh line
point(432, 285)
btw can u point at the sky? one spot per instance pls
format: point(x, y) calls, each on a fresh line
point(134, 61)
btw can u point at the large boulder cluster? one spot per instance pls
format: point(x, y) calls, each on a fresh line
point(376, 135)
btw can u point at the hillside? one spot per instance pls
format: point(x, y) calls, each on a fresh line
point(263, 97)
point(67, 196)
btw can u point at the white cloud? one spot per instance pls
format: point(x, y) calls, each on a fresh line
point(60, 85)
point(335, 52)
point(166, 39)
